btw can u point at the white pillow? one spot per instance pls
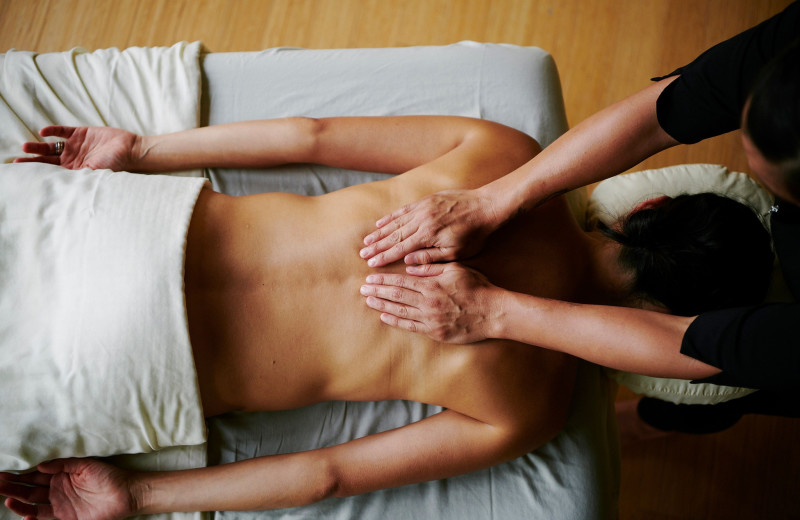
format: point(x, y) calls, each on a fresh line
point(615, 197)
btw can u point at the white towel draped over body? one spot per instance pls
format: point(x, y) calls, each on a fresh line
point(95, 356)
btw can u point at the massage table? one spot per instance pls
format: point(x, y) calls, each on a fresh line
point(576, 475)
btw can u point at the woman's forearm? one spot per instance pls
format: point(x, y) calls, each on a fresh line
point(247, 144)
point(255, 484)
point(607, 143)
point(634, 340)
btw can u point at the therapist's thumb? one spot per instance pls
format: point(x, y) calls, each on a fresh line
point(425, 269)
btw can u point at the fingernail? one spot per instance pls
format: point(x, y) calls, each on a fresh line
point(363, 290)
point(372, 279)
point(363, 253)
point(372, 262)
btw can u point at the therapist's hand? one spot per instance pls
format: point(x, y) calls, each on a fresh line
point(94, 147)
point(444, 226)
point(447, 302)
point(70, 489)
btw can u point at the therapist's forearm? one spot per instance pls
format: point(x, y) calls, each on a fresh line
point(607, 143)
point(633, 340)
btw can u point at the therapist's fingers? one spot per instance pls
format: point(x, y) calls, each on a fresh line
point(405, 324)
point(430, 255)
point(400, 302)
point(399, 280)
point(427, 269)
point(393, 246)
point(394, 215)
point(392, 293)
point(385, 228)
point(399, 310)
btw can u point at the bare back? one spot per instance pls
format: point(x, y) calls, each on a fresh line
point(277, 321)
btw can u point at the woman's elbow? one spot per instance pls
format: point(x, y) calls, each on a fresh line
point(316, 482)
point(531, 431)
point(327, 483)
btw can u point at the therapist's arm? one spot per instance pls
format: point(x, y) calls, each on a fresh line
point(452, 303)
point(634, 340)
point(445, 226)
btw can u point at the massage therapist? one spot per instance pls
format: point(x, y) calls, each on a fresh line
point(751, 81)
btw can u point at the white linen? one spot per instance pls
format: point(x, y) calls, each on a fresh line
point(516, 86)
point(95, 357)
point(147, 91)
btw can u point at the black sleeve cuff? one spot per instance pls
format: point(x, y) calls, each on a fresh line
point(756, 347)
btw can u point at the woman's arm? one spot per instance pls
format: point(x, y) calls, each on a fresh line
point(451, 303)
point(440, 446)
point(383, 144)
point(603, 145)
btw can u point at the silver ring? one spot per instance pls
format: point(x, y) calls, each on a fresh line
point(59, 147)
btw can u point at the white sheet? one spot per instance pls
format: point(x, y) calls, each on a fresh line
point(95, 354)
point(573, 477)
point(145, 90)
point(517, 86)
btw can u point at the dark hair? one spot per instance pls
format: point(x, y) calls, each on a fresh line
point(695, 253)
point(772, 118)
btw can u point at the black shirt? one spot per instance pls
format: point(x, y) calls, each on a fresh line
point(756, 347)
point(708, 97)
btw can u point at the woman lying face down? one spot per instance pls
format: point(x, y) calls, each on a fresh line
point(277, 320)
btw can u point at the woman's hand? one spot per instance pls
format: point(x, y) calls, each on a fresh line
point(94, 147)
point(447, 302)
point(444, 226)
point(70, 489)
